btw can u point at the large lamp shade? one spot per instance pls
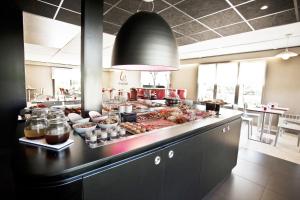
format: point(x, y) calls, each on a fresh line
point(145, 43)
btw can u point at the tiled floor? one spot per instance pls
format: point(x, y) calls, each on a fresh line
point(259, 177)
point(286, 148)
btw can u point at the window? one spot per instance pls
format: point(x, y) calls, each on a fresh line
point(221, 80)
point(206, 81)
point(226, 81)
point(155, 79)
point(66, 79)
point(251, 81)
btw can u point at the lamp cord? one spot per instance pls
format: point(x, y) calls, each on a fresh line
point(138, 10)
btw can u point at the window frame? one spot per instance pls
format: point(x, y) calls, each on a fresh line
point(237, 86)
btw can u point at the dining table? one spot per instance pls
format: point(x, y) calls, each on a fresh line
point(267, 110)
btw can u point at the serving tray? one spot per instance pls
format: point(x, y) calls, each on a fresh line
point(42, 142)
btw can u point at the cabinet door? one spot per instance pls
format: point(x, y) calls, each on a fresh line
point(213, 159)
point(138, 179)
point(182, 170)
point(220, 149)
point(232, 142)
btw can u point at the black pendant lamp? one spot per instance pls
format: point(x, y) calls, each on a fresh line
point(145, 42)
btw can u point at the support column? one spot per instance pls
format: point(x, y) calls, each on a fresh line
point(91, 54)
point(12, 87)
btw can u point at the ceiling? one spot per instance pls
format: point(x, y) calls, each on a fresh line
point(51, 41)
point(191, 20)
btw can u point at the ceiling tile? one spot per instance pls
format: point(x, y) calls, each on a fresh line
point(173, 1)
point(174, 17)
point(190, 28)
point(236, 2)
point(221, 19)
point(75, 5)
point(234, 29)
point(252, 9)
point(117, 16)
point(184, 41)
point(110, 28)
point(274, 20)
point(72, 5)
point(55, 2)
point(112, 2)
point(177, 35)
point(69, 17)
point(199, 8)
point(133, 5)
point(38, 8)
point(207, 35)
point(47, 32)
point(106, 7)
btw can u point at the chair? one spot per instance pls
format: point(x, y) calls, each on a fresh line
point(249, 122)
point(246, 119)
point(288, 122)
point(251, 115)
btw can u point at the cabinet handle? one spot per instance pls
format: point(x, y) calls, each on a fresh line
point(224, 130)
point(157, 160)
point(171, 154)
point(228, 128)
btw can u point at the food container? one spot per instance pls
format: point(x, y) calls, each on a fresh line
point(58, 131)
point(56, 113)
point(128, 108)
point(40, 112)
point(172, 101)
point(122, 108)
point(35, 127)
point(84, 127)
point(110, 122)
point(213, 107)
point(128, 117)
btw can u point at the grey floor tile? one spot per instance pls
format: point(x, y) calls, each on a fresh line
point(253, 172)
point(256, 157)
point(285, 185)
point(270, 195)
point(287, 168)
point(237, 188)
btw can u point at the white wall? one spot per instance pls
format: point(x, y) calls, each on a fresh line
point(39, 77)
point(186, 78)
point(283, 83)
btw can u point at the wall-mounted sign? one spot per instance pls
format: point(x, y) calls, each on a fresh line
point(123, 79)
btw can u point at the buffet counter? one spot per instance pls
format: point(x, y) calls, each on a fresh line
point(36, 167)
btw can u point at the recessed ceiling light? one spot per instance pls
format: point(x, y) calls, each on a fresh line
point(264, 7)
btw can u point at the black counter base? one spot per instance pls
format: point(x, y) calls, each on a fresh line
point(184, 169)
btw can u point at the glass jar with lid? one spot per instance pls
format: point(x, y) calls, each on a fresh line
point(40, 112)
point(35, 127)
point(56, 113)
point(58, 131)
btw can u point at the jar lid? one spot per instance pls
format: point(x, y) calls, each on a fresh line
point(57, 121)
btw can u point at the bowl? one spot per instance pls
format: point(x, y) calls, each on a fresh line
point(84, 120)
point(107, 126)
point(84, 127)
point(98, 119)
point(74, 117)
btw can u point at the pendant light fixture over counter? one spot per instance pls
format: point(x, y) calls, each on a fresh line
point(145, 42)
point(286, 54)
